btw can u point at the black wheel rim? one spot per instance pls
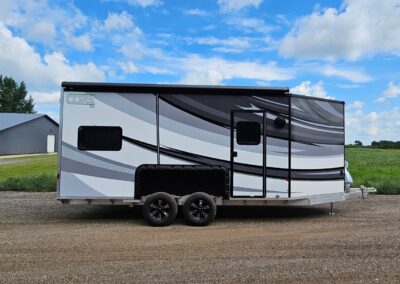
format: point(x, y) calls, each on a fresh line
point(199, 209)
point(160, 209)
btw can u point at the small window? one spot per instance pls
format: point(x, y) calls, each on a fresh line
point(100, 138)
point(248, 133)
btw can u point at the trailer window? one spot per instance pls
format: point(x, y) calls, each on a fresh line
point(248, 133)
point(100, 138)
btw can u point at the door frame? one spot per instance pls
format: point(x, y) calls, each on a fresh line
point(264, 154)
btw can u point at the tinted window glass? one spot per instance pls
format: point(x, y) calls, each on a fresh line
point(104, 138)
point(248, 133)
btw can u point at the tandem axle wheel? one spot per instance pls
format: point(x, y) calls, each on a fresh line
point(160, 209)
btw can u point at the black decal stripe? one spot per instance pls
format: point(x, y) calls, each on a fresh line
point(219, 121)
point(319, 174)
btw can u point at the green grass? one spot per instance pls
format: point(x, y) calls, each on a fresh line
point(379, 168)
point(33, 173)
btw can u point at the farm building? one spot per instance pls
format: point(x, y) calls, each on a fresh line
point(25, 133)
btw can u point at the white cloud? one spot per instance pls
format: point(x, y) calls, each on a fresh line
point(133, 46)
point(372, 130)
point(145, 3)
point(250, 25)
point(348, 74)
point(42, 31)
point(6, 8)
point(120, 22)
point(306, 88)
point(128, 67)
point(82, 42)
point(195, 12)
point(360, 28)
point(19, 60)
point(155, 70)
point(45, 97)
point(234, 44)
point(200, 70)
point(47, 24)
point(371, 126)
point(372, 117)
point(357, 105)
point(203, 77)
point(392, 91)
point(236, 5)
point(354, 75)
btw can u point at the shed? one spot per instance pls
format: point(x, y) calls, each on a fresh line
point(26, 133)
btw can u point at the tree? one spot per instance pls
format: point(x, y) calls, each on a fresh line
point(358, 143)
point(13, 96)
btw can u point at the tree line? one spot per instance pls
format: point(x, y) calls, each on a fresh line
point(384, 144)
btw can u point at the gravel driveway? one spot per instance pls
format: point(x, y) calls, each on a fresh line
point(42, 240)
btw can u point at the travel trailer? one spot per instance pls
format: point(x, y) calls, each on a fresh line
point(198, 147)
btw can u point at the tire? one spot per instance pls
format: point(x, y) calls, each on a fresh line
point(199, 209)
point(159, 209)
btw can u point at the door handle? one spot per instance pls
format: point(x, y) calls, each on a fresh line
point(234, 154)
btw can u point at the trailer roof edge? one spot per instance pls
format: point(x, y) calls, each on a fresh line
point(168, 88)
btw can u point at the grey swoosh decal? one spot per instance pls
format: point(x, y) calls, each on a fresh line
point(89, 170)
point(138, 108)
point(316, 150)
point(81, 156)
point(64, 144)
point(76, 187)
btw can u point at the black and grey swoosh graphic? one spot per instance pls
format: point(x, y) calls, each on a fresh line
point(217, 111)
point(314, 121)
point(320, 174)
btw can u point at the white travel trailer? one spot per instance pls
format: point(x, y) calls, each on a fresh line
point(162, 146)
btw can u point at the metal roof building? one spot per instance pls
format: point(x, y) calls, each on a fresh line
point(25, 133)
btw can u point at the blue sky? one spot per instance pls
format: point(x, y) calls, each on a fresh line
point(347, 50)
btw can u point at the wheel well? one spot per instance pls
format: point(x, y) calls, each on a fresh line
point(181, 180)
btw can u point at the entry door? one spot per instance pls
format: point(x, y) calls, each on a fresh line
point(51, 141)
point(248, 153)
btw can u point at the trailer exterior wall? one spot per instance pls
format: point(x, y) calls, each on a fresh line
point(196, 129)
point(105, 174)
point(317, 150)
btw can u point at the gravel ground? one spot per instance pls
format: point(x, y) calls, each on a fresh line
point(42, 240)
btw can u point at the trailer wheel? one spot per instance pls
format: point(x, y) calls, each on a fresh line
point(159, 209)
point(199, 209)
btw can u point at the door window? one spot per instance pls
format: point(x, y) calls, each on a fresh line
point(248, 133)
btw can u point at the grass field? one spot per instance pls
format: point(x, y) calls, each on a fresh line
point(379, 168)
point(29, 173)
